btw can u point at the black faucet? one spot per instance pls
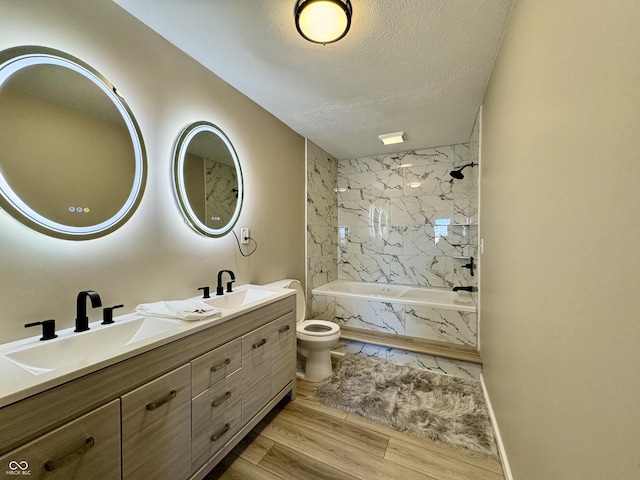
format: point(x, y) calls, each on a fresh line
point(82, 321)
point(467, 289)
point(471, 265)
point(48, 329)
point(219, 289)
point(107, 314)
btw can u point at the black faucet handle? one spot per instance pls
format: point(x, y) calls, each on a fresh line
point(107, 314)
point(471, 266)
point(48, 328)
point(229, 284)
point(205, 292)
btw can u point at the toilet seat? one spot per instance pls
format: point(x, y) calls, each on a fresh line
point(317, 328)
point(315, 338)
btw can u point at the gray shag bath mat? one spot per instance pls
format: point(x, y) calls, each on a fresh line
point(429, 405)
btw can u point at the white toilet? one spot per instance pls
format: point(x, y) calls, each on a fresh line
point(315, 337)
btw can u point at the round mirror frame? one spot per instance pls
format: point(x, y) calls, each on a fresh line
point(14, 59)
point(179, 187)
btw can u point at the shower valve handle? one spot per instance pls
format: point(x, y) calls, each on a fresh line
point(471, 266)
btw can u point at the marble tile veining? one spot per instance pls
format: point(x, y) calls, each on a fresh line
point(322, 217)
point(400, 219)
point(402, 213)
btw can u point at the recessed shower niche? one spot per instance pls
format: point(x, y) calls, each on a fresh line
point(207, 179)
point(72, 158)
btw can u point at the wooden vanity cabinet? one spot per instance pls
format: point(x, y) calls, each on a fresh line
point(156, 428)
point(216, 388)
point(256, 365)
point(216, 418)
point(87, 447)
point(210, 368)
point(268, 363)
point(283, 353)
point(171, 412)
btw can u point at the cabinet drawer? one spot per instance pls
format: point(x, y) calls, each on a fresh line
point(256, 366)
point(212, 367)
point(88, 447)
point(217, 417)
point(283, 352)
point(156, 428)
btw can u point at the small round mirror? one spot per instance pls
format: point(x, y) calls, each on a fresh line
point(207, 179)
point(72, 159)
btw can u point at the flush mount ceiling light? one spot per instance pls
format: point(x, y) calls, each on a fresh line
point(392, 138)
point(323, 21)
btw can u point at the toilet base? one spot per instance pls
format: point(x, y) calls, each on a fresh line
point(318, 366)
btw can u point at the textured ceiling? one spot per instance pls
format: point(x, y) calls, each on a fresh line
point(418, 66)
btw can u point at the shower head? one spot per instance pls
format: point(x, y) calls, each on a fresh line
point(457, 174)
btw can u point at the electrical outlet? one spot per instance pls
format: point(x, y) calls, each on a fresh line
point(244, 235)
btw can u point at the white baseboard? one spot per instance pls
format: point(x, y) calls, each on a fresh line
point(494, 422)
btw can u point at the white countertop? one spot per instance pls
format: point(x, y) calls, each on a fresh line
point(18, 383)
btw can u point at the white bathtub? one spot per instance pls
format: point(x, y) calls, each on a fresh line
point(441, 298)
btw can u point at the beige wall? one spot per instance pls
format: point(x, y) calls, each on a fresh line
point(155, 255)
point(559, 213)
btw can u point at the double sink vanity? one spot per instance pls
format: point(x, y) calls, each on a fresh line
point(146, 397)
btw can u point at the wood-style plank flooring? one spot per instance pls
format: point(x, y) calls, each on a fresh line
point(305, 440)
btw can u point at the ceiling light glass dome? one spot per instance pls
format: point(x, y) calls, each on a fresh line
point(323, 21)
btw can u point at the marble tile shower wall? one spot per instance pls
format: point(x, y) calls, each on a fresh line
point(322, 218)
point(387, 233)
point(404, 220)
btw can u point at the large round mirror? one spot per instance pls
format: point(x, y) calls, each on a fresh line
point(72, 159)
point(207, 179)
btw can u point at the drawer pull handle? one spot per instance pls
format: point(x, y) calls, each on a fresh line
point(226, 362)
point(159, 403)
point(220, 400)
point(218, 436)
point(284, 329)
point(258, 345)
point(51, 465)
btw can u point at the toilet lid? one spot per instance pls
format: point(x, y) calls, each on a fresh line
point(317, 328)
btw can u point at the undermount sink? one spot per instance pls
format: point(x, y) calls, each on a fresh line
point(78, 348)
point(239, 298)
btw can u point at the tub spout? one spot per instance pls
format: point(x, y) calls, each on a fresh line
point(467, 289)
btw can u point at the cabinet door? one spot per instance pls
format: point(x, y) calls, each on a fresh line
point(156, 428)
point(217, 417)
point(88, 447)
point(283, 353)
point(256, 366)
point(212, 367)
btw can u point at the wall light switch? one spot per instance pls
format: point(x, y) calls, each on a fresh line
point(244, 235)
